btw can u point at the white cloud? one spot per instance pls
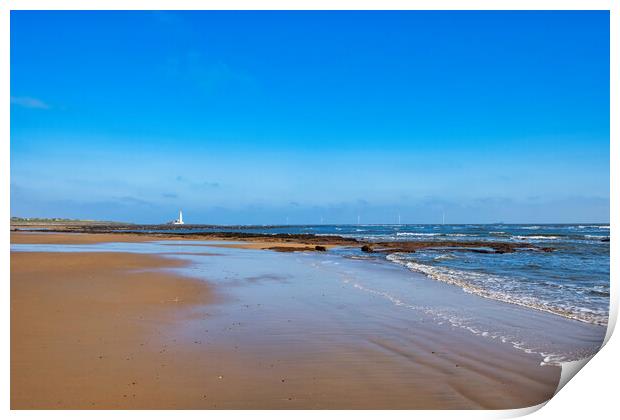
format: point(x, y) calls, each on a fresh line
point(27, 102)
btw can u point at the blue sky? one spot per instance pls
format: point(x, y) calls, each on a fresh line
point(256, 117)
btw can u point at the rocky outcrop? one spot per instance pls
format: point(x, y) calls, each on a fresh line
point(310, 242)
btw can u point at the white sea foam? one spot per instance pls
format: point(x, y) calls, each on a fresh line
point(535, 237)
point(592, 227)
point(444, 257)
point(497, 288)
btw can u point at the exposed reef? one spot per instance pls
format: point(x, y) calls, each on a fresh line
point(313, 242)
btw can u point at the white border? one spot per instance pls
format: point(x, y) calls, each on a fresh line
point(592, 394)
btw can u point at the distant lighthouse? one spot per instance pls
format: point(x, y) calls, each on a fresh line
point(179, 221)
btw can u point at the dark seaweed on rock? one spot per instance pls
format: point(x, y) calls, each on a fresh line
point(482, 247)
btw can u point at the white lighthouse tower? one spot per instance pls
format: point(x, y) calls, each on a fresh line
point(179, 221)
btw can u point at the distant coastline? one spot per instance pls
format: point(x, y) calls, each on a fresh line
point(60, 221)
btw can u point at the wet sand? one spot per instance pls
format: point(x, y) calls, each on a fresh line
point(85, 326)
point(84, 239)
point(122, 330)
point(76, 238)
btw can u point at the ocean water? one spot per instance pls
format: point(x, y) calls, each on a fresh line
point(572, 281)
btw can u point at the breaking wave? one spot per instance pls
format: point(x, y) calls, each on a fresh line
point(503, 289)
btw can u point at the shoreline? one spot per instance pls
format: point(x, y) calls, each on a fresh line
point(447, 367)
point(293, 243)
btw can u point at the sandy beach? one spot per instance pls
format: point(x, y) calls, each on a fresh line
point(138, 330)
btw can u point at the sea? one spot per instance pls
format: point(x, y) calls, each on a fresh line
point(572, 281)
